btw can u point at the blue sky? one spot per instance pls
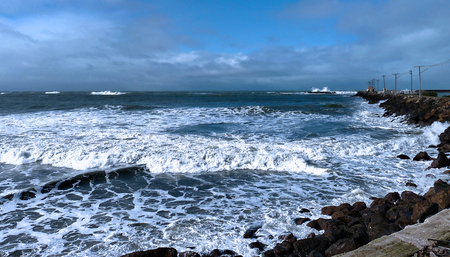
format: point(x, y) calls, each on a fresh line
point(220, 45)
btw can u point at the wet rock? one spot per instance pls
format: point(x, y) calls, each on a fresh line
point(441, 161)
point(258, 245)
point(423, 210)
point(359, 206)
point(304, 247)
point(214, 253)
point(314, 224)
point(304, 210)
point(410, 184)
point(227, 252)
point(444, 137)
point(249, 233)
point(268, 253)
point(422, 156)
point(410, 198)
point(29, 194)
point(403, 157)
point(336, 232)
point(159, 252)
point(315, 253)
point(445, 148)
point(188, 254)
point(300, 221)
point(342, 246)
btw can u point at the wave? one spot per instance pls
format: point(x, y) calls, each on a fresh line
point(52, 92)
point(68, 183)
point(108, 93)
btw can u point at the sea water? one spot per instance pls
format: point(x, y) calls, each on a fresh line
point(115, 172)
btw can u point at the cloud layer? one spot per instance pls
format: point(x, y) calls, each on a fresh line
point(133, 45)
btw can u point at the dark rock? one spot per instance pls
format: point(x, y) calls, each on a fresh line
point(445, 148)
point(214, 253)
point(227, 252)
point(411, 198)
point(430, 175)
point(379, 226)
point(300, 221)
point(303, 210)
point(334, 233)
point(342, 246)
point(258, 245)
point(268, 253)
point(249, 233)
point(280, 250)
point(290, 238)
point(311, 235)
point(422, 156)
point(404, 219)
point(315, 253)
point(314, 224)
point(359, 206)
point(303, 247)
point(446, 172)
point(444, 137)
point(441, 161)
point(423, 210)
point(188, 254)
point(325, 223)
point(159, 252)
point(403, 157)
point(410, 184)
point(441, 197)
point(329, 210)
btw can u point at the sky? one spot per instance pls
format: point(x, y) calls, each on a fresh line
point(191, 45)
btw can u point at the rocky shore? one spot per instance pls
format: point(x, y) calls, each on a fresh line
point(351, 226)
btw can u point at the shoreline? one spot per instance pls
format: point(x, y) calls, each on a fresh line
point(352, 226)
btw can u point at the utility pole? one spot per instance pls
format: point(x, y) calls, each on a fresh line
point(395, 92)
point(410, 72)
point(420, 79)
point(384, 83)
point(378, 84)
point(373, 84)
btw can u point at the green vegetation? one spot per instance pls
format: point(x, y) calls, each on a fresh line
point(429, 94)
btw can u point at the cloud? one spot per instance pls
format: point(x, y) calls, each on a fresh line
point(146, 50)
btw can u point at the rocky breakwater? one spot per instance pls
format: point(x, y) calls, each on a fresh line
point(422, 111)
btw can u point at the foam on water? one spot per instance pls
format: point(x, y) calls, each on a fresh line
point(107, 93)
point(212, 172)
point(52, 92)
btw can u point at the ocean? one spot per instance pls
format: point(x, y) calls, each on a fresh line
point(108, 173)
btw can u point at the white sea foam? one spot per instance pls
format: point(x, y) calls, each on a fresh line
point(52, 92)
point(107, 93)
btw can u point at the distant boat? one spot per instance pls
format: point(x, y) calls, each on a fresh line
point(324, 90)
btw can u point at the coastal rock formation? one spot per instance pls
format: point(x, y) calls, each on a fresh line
point(422, 111)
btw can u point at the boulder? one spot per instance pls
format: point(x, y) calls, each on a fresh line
point(403, 157)
point(441, 161)
point(422, 156)
point(423, 210)
point(303, 247)
point(258, 245)
point(300, 221)
point(189, 254)
point(249, 233)
point(159, 252)
point(342, 246)
point(445, 136)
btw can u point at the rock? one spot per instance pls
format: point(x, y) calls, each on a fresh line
point(446, 172)
point(445, 148)
point(258, 245)
point(159, 252)
point(315, 253)
point(441, 161)
point(411, 198)
point(303, 210)
point(334, 233)
point(359, 206)
point(268, 253)
point(445, 136)
point(300, 221)
point(410, 184)
point(403, 157)
point(188, 254)
point(303, 247)
point(227, 252)
point(422, 156)
point(423, 210)
point(214, 253)
point(249, 233)
point(342, 246)
point(314, 224)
